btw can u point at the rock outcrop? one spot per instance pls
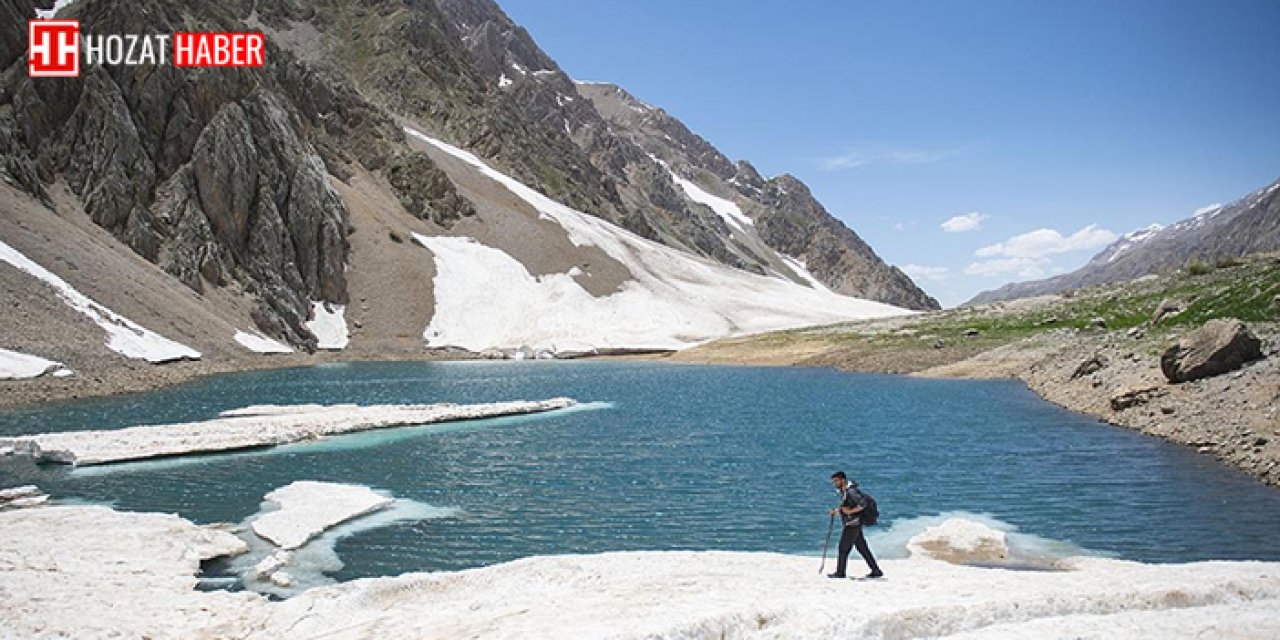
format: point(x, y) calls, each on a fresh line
point(219, 176)
point(1218, 347)
point(631, 148)
point(786, 217)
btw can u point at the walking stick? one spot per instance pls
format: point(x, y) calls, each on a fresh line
point(831, 521)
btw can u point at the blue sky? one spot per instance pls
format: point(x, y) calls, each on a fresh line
point(1072, 121)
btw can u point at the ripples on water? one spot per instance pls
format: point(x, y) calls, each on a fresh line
point(681, 457)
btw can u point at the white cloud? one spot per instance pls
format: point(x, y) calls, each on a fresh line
point(967, 222)
point(1026, 268)
point(1047, 242)
point(858, 158)
point(921, 272)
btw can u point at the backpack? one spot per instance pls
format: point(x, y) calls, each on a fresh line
point(870, 513)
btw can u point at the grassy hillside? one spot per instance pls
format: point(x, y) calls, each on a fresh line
point(1245, 289)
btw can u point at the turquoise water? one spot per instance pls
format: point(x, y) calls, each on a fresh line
point(679, 457)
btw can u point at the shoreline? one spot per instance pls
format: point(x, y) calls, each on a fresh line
point(1234, 417)
point(1044, 363)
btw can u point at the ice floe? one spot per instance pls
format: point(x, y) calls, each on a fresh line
point(324, 513)
point(306, 508)
point(257, 426)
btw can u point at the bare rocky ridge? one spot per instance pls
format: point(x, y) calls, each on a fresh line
point(1250, 224)
point(787, 218)
point(621, 136)
point(218, 176)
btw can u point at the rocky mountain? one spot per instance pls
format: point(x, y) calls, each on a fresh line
point(1248, 225)
point(287, 206)
point(680, 189)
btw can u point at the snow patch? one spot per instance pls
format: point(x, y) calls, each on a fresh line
point(1209, 210)
point(801, 269)
point(260, 344)
point(125, 337)
point(329, 325)
point(65, 578)
point(51, 12)
point(504, 81)
point(674, 300)
point(1135, 238)
point(727, 209)
point(21, 366)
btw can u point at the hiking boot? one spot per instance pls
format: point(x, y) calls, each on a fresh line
point(835, 575)
point(873, 575)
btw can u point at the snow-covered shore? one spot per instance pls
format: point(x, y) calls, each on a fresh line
point(65, 578)
point(250, 427)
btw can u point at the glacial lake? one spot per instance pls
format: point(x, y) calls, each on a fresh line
point(679, 457)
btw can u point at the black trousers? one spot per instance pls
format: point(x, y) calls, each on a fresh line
point(852, 538)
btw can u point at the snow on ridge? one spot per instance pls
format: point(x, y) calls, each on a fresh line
point(797, 265)
point(15, 365)
point(674, 300)
point(125, 336)
point(728, 210)
point(1208, 209)
point(1135, 238)
point(260, 344)
point(504, 81)
point(329, 325)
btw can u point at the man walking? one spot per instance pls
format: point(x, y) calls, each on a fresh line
point(852, 503)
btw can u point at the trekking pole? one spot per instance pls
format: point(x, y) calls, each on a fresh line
point(831, 521)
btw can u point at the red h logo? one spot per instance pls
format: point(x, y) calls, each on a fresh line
point(53, 48)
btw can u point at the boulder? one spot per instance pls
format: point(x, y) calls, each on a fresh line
point(1133, 396)
point(1167, 309)
point(1090, 366)
point(1098, 323)
point(1218, 347)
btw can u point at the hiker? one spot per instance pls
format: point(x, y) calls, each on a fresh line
point(852, 502)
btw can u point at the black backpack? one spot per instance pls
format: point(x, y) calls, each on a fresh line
point(870, 513)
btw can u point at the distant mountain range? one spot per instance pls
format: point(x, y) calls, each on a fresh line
point(1248, 225)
